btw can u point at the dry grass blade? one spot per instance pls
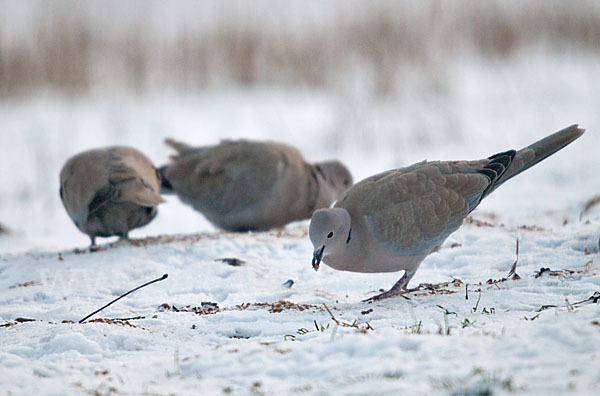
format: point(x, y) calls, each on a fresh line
point(548, 306)
point(587, 268)
point(512, 274)
point(355, 324)
point(593, 299)
point(330, 314)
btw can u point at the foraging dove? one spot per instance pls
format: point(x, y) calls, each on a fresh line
point(246, 185)
point(109, 191)
point(391, 221)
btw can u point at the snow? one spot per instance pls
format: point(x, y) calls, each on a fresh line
point(497, 340)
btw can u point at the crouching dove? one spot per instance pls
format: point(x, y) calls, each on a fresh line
point(246, 185)
point(109, 191)
point(391, 221)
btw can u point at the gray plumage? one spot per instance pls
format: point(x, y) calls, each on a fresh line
point(393, 220)
point(246, 185)
point(109, 191)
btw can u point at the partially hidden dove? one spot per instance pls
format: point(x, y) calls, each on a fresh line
point(391, 221)
point(109, 191)
point(252, 186)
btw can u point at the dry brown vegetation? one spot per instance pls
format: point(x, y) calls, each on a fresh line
point(148, 45)
point(209, 308)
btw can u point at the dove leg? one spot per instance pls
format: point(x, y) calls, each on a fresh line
point(123, 240)
point(93, 246)
point(398, 289)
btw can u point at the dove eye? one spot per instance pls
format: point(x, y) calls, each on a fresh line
point(330, 235)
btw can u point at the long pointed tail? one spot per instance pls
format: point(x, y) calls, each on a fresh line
point(180, 147)
point(538, 151)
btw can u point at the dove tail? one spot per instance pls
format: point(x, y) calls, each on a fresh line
point(178, 146)
point(538, 151)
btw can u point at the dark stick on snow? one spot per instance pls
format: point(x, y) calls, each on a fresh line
point(165, 276)
point(126, 319)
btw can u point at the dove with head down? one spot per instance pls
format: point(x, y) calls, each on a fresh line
point(110, 191)
point(391, 221)
point(252, 186)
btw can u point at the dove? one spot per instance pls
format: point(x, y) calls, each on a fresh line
point(247, 185)
point(391, 221)
point(109, 191)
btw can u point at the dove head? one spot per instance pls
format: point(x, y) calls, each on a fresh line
point(329, 232)
point(334, 179)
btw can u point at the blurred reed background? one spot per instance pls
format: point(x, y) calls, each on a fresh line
point(379, 84)
point(141, 46)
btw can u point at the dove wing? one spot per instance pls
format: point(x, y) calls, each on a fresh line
point(413, 210)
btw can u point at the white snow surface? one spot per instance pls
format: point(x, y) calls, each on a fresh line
point(495, 341)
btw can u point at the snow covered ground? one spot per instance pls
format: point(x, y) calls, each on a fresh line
point(248, 342)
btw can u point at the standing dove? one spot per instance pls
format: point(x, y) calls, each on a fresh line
point(251, 186)
point(109, 191)
point(391, 221)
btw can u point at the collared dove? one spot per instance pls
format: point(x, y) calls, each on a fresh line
point(391, 221)
point(251, 186)
point(109, 191)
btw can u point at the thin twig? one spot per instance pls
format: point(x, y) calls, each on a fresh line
point(126, 319)
point(165, 276)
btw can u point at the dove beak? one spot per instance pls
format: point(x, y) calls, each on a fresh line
point(317, 256)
